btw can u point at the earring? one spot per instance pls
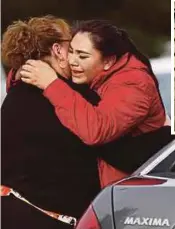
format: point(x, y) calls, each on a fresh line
point(106, 67)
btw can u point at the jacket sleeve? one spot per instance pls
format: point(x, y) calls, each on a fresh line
point(121, 108)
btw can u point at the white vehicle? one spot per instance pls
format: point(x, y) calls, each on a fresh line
point(3, 84)
point(162, 69)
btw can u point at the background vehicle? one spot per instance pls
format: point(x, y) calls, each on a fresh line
point(3, 84)
point(162, 69)
point(144, 200)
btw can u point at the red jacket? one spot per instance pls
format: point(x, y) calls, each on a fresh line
point(129, 103)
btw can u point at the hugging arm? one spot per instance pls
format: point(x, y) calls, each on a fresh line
point(129, 153)
point(123, 106)
point(120, 110)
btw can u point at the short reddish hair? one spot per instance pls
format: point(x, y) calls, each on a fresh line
point(32, 39)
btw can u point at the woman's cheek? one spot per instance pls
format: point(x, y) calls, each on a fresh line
point(86, 65)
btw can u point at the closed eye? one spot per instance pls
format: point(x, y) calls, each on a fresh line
point(83, 57)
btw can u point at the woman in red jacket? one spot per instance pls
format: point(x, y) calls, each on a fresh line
point(104, 57)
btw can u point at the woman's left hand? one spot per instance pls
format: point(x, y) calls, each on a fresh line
point(37, 73)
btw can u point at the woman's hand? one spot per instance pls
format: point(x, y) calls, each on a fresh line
point(37, 73)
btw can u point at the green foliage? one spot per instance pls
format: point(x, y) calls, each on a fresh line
point(147, 21)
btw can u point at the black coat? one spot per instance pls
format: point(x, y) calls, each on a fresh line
point(41, 158)
point(129, 153)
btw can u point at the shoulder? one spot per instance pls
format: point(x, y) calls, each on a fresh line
point(133, 76)
point(137, 78)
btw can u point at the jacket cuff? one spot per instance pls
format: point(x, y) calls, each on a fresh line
point(54, 91)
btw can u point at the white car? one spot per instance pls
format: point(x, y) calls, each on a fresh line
point(162, 69)
point(3, 84)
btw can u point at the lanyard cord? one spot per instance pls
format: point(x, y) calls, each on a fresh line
point(5, 191)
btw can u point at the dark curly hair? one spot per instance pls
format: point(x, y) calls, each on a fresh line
point(32, 39)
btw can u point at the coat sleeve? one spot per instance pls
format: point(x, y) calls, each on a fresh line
point(122, 107)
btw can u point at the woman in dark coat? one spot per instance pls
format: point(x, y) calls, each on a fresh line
point(41, 159)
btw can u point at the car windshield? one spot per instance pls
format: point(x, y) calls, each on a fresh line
point(166, 168)
point(162, 162)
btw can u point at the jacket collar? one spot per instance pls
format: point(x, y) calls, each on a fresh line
point(125, 63)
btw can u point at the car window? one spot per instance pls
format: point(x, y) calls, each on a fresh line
point(162, 160)
point(166, 167)
point(173, 168)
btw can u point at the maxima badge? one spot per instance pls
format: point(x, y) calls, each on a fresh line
point(146, 221)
